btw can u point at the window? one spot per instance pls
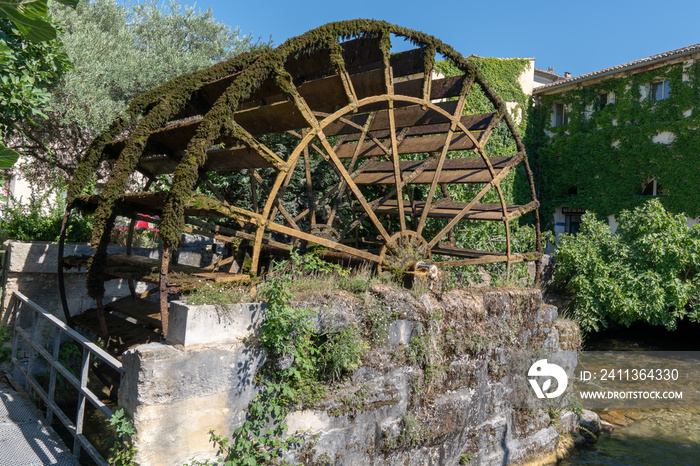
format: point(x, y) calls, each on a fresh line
point(572, 217)
point(653, 189)
point(660, 90)
point(560, 116)
point(602, 101)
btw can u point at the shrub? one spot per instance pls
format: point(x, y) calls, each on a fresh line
point(39, 221)
point(646, 271)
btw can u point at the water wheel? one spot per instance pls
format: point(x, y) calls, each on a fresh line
point(334, 142)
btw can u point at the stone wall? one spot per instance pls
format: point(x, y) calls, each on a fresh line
point(32, 268)
point(457, 406)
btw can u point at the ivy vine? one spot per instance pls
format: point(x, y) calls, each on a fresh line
point(602, 158)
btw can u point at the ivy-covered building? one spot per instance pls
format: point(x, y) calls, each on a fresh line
point(609, 140)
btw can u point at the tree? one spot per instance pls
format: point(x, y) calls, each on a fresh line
point(118, 52)
point(28, 71)
point(648, 270)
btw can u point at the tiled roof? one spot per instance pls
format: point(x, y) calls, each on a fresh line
point(625, 66)
point(540, 71)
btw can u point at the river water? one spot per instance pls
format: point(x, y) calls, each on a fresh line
point(653, 436)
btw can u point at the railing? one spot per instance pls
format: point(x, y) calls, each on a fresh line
point(24, 310)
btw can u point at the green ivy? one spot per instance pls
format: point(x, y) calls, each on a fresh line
point(602, 158)
point(123, 452)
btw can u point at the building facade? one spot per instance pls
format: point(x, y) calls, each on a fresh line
point(609, 140)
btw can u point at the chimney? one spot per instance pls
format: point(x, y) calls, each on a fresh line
point(567, 74)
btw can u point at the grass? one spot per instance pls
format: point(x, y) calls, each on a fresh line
point(211, 293)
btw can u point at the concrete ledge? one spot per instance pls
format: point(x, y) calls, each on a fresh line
point(176, 395)
point(42, 256)
point(207, 324)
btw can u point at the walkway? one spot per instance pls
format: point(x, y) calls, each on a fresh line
point(25, 439)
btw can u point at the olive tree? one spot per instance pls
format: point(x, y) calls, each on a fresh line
point(118, 51)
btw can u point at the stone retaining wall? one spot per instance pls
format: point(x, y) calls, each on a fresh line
point(202, 379)
point(32, 268)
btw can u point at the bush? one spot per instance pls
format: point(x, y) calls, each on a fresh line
point(40, 221)
point(646, 271)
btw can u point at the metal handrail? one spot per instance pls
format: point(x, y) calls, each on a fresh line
point(19, 304)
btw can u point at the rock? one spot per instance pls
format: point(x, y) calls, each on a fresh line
point(285, 362)
point(616, 418)
point(404, 304)
point(568, 421)
point(590, 425)
point(400, 332)
point(547, 314)
point(336, 311)
point(569, 334)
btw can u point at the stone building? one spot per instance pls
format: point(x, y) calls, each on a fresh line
point(608, 140)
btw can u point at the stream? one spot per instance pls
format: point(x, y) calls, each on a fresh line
point(645, 436)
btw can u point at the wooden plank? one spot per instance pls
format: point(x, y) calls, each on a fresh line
point(462, 170)
point(490, 259)
point(198, 205)
point(218, 160)
point(415, 145)
point(449, 176)
point(277, 114)
point(413, 116)
point(491, 212)
point(358, 54)
point(464, 163)
point(144, 311)
point(222, 277)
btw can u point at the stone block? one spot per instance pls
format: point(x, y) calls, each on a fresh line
point(175, 396)
point(400, 332)
point(42, 256)
point(208, 324)
point(547, 314)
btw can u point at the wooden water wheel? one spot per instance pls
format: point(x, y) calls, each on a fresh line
point(377, 139)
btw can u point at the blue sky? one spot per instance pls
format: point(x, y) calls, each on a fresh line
point(575, 36)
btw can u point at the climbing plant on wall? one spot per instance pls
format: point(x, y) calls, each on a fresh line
point(503, 75)
point(605, 155)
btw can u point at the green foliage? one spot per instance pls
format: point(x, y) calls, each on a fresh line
point(259, 439)
point(343, 353)
point(29, 16)
point(602, 159)
point(411, 434)
point(574, 404)
point(123, 452)
point(648, 270)
point(28, 70)
point(5, 337)
point(210, 293)
point(119, 51)
point(377, 320)
point(39, 221)
point(316, 359)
